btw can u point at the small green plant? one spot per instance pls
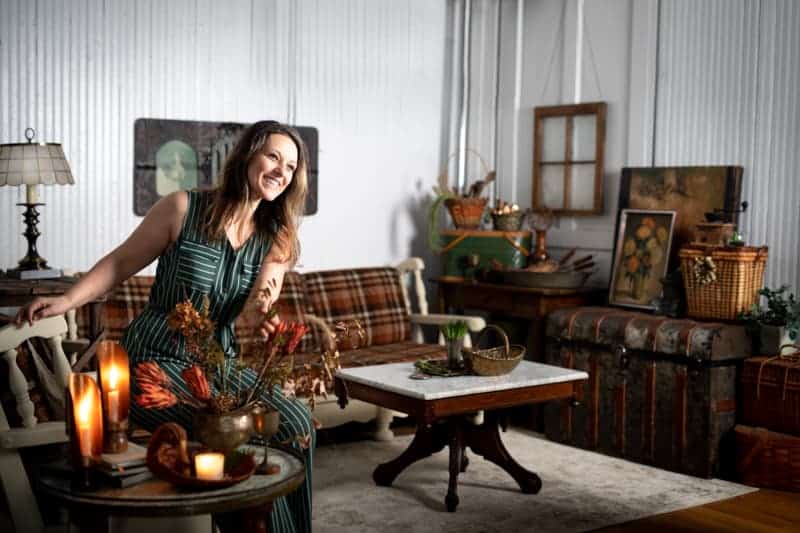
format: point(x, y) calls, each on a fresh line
point(454, 330)
point(782, 309)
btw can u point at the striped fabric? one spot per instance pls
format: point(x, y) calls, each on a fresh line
point(193, 268)
point(374, 296)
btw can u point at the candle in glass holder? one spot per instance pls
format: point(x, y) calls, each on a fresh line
point(210, 466)
point(83, 424)
point(112, 396)
point(115, 383)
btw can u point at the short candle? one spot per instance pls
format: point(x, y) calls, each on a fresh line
point(209, 465)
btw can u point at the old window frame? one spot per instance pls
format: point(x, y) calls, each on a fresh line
point(569, 112)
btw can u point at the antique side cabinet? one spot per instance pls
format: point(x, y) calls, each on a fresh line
point(661, 391)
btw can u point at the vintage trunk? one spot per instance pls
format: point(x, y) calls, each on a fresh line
point(660, 391)
point(771, 393)
point(511, 248)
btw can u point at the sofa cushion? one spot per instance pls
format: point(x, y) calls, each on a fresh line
point(373, 296)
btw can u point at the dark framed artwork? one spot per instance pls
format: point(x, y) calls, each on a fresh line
point(641, 256)
point(171, 155)
point(690, 191)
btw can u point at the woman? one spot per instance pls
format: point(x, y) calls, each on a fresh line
point(227, 244)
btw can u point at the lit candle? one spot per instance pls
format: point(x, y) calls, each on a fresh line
point(83, 424)
point(31, 194)
point(209, 465)
point(112, 397)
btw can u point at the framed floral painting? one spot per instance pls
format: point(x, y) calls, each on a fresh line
point(641, 256)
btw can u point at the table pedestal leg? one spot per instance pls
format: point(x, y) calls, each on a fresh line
point(459, 434)
point(485, 441)
point(427, 441)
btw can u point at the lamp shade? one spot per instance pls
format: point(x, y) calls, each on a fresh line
point(34, 164)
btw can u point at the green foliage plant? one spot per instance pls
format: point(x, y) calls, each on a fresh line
point(782, 309)
point(454, 330)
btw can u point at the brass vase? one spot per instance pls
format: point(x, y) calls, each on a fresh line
point(223, 432)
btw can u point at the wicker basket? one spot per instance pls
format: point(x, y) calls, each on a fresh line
point(767, 459)
point(493, 361)
point(508, 221)
point(466, 212)
point(722, 282)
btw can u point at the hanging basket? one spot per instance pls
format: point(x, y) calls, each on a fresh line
point(466, 211)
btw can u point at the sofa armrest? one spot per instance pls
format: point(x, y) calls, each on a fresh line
point(474, 324)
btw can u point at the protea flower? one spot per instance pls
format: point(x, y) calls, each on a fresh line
point(197, 383)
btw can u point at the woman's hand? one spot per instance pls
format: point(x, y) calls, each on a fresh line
point(267, 326)
point(42, 307)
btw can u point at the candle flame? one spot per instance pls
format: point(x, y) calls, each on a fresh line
point(113, 377)
point(83, 411)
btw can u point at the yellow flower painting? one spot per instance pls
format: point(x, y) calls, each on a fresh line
point(641, 256)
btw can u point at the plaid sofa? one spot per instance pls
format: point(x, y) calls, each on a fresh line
point(373, 296)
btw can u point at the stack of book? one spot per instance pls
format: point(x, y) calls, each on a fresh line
point(118, 470)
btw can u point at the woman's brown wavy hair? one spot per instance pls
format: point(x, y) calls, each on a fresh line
point(276, 220)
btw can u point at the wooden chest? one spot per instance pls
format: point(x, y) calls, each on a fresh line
point(771, 394)
point(661, 391)
point(511, 248)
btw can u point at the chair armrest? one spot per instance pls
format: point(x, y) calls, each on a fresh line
point(474, 323)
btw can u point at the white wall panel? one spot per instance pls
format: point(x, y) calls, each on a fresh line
point(369, 75)
point(727, 94)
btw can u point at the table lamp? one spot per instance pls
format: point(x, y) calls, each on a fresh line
point(114, 374)
point(85, 427)
point(32, 164)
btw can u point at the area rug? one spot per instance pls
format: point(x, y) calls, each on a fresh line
point(581, 490)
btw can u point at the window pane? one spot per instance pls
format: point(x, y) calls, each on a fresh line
point(584, 139)
point(554, 131)
point(581, 190)
point(553, 186)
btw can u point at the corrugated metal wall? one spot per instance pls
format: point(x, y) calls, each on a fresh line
point(368, 74)
point(728, 73)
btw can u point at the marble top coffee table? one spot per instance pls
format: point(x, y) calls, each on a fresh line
point(440, 405)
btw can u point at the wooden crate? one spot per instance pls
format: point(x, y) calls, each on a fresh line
point(660, 391)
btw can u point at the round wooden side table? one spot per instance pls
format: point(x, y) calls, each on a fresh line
point(245, 506)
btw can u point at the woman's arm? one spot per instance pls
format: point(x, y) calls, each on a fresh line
point(159, 229)
point(270, 277)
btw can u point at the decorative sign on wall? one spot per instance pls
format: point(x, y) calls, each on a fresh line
point(172, 155)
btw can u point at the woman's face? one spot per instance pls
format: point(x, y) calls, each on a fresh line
point(272, 168)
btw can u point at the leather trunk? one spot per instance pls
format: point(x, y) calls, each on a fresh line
point(661, 391)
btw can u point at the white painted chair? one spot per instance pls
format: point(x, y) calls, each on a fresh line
point(328, 411)
point(16, 486)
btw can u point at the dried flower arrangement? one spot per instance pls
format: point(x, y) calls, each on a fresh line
point(215, 381)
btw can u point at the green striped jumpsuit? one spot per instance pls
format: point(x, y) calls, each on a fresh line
point(192, 267)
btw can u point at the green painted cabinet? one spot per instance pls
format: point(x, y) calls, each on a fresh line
point(511, 248)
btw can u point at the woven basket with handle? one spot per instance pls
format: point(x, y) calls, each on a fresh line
point(493, 361)
point(466, 211)
point(722, 282)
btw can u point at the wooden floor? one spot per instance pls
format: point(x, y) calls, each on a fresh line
point(765, 510)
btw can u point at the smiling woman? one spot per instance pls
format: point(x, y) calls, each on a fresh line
point(222, 246)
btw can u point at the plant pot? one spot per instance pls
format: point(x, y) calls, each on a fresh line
point(771, 338)
point(466, 212)
point(224, 431)
point(455, 359)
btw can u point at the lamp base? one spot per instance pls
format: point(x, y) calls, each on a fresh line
point(32, 260)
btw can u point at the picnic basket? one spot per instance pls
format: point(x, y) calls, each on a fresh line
point(493, 361)
point(722, 282)
point(767, 459)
